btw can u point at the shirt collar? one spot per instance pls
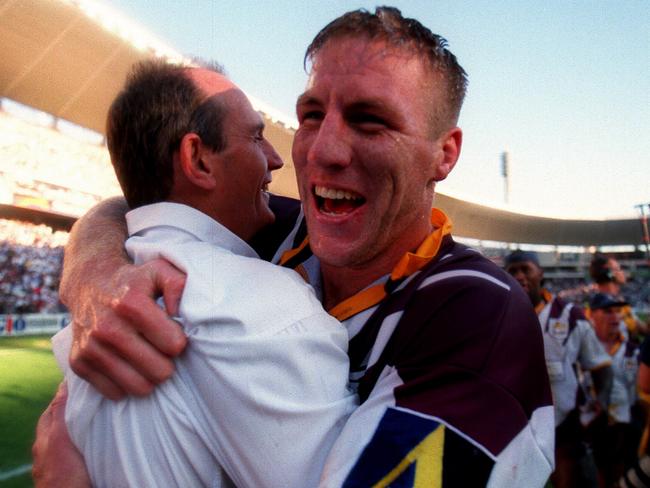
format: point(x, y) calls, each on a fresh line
point(188, 219)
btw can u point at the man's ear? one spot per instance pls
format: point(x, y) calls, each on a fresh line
point(451, 143)
point(196, 162)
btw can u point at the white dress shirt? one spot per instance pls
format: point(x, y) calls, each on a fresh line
point(260, 394)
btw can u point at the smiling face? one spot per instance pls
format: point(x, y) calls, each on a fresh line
point(365, 155)
point(243, 168)
point(606, 323)
point(529, 276)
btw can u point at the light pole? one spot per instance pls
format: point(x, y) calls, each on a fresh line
point(505, 167)
point(644, 227)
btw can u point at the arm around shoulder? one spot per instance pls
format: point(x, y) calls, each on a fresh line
point(122, 339)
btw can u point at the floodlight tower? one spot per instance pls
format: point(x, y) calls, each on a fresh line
point(505, 172)
point(644, 209)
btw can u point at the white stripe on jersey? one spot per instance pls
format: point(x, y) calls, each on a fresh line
point(385, 332)
point(462, 272)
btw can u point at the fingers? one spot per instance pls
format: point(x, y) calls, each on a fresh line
point(171, 281)
point(117, 360)
point(124, 342)
point(149, 320)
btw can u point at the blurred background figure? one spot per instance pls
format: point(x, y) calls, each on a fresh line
point(569, 341)
point(608, 278)
point(30, 267)
point(614, 440)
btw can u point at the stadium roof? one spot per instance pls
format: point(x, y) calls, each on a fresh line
point(69, 58)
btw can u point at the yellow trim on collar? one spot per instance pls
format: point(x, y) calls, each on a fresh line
point(412, 262)
point(407, 265)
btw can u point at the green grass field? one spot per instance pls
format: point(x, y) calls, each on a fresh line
point(29, 377)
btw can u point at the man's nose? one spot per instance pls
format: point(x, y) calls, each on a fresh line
point(331, 145)
point(273, 159)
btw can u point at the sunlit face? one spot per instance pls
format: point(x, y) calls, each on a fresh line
point(617, 273)
point(606, 323)
point(528, 275)
point(365, 157)
point(244, 167)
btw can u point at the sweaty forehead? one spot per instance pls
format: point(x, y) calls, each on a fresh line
point(342, 59)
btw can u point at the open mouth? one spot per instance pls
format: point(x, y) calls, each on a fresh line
point(337, 202)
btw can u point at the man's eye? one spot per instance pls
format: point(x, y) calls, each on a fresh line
point(311, 115)
point(367, 121)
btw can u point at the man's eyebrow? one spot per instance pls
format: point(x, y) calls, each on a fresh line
point(306, 98)
point(369, 104)
point(258, 127)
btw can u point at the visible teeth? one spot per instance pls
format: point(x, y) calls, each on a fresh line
point(333, 194)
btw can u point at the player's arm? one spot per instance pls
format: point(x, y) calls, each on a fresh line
point(122, 340)
point(603, 379)
point(56, 460)
point(643, 379)
point(593, 358)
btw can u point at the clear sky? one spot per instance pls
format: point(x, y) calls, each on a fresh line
point(562, 85)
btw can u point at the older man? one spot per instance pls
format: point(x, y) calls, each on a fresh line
point(614, 439)
point(193, 163)
point(445, 348)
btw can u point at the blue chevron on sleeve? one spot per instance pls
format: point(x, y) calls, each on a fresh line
point(405, 452)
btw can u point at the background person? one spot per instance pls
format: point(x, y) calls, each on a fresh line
point(608, 278)
point(614, 442)
point(569, 341)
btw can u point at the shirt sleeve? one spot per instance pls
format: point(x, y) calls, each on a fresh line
point(591, 355)
point(258, 397)
point(269, 372)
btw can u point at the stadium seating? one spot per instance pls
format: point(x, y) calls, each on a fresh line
point(30, 267)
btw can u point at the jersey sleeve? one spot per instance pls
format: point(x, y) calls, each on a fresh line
point(460, 395)
point(591, 355)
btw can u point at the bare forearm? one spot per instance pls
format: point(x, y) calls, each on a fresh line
point(122, 341)
point(603, 379)
point(644, 378)
point(95, 249)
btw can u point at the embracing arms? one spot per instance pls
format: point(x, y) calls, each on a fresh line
point(123, 342)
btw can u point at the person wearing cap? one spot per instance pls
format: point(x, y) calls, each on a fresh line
point(613, 442)
point(608, 278)
point(568, 339)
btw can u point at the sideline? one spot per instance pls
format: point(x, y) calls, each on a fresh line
point(12, 473)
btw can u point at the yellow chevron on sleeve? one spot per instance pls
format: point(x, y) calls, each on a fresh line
point(427, 456)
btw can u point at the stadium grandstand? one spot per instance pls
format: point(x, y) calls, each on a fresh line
point(64, 61)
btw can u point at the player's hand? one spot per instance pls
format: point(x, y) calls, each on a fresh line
point(56, 460)
point(123, 341)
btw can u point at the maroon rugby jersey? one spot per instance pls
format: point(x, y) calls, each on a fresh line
point(449, 367)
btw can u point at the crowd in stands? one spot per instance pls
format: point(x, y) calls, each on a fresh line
point(42, 162)
point(31, 257)
point(636, 291)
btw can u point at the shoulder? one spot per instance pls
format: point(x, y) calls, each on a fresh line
point(464, 310)
point(287, 213)
point(464, 288)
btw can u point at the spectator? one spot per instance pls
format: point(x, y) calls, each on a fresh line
point(608, 278)
point(31, 257)
point(568, 339)
point(613, 437)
